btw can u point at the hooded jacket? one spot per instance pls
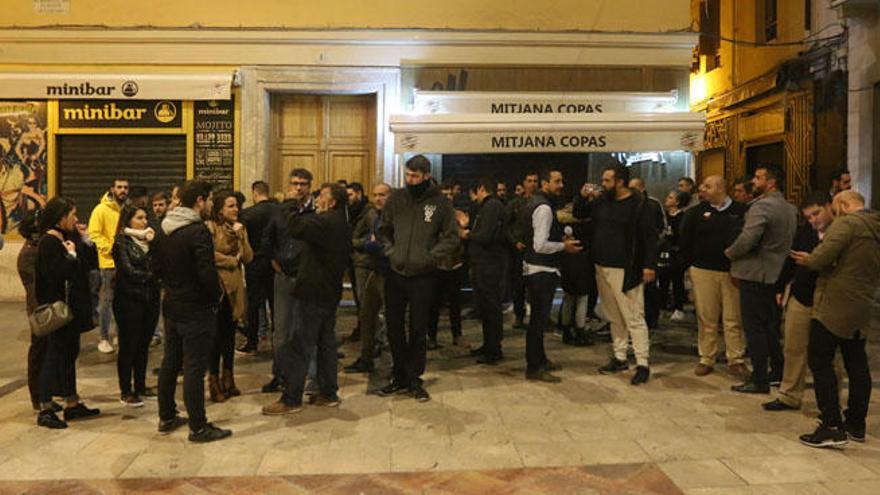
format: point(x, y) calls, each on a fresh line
point(185, 265)
point(102, 229)
point(419, 232)
point(848, 262)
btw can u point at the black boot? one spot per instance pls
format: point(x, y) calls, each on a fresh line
point(582, 338)
point(48, 419)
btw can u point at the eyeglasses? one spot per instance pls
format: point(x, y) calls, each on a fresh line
point(299, 183)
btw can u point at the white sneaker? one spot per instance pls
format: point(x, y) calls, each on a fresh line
point(677, 315)
point(104, 346)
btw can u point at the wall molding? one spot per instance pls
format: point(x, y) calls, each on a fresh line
point(383, 48)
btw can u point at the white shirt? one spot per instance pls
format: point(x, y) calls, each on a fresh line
point(542, 221)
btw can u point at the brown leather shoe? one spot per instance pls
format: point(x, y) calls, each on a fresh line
point(279, 408)
point(740, 371)
point(703, 369)
point(214, 390)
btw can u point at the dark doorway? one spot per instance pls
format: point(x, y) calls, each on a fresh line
point(765, 154)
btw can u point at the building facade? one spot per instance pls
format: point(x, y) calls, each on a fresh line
point(165, 91)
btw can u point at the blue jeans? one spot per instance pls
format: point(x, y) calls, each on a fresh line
point(314, 326)
point(283, 322)
point(105, 303)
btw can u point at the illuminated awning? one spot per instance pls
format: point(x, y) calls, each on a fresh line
point(505, 133)
point(117, 86)
point(531, 102)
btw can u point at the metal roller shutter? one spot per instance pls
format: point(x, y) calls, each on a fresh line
point(88, 164)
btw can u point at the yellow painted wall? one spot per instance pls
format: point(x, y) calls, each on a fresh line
point(543, 15)
point(741, 63)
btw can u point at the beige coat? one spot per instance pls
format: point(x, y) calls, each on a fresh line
point(231, 251)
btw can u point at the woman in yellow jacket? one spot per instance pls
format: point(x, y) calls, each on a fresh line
point(231, 251)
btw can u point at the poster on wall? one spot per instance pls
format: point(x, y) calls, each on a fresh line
point(214, 142)
point(23, 146)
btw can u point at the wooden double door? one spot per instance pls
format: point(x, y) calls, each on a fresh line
point(333, 136)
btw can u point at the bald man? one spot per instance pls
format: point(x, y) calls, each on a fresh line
point(706, 230)
point(848, 263)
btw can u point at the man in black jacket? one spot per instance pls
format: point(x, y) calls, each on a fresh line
point(420, 231)
point(283, 252)
point(486, 252)
point(185, 264)
point(258, 273)
point(514, 230)
point(317, 291)
point(794, 292)
point(625, 253)
point(653, 295)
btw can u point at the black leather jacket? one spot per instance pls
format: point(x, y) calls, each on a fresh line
point(135, 277)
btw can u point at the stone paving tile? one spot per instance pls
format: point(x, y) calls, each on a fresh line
point(677, 429)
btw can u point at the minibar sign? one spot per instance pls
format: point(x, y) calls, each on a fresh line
point(150, 114)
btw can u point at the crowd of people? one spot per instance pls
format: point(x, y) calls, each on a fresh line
point(192, 268)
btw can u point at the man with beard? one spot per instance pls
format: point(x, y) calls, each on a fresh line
point(485, 240)
point(757, 256)
point(841, 180)
point(545, 242)
point(185, 263)
point(258, 273)
point(326, 237)
point(625, 253)
point(420, 231)
point(102, 230)
point(516, 227)
point(848, 263)
point(283, 252)
point(358, 207)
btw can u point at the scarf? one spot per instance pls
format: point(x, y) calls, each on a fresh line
point(178, 218)
point(139, 236)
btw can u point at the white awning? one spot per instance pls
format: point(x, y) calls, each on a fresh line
point(121, 86)
point(539, 102)
point(492, 133)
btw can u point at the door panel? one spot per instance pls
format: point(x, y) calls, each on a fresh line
point(333, 136)
point(348, 165)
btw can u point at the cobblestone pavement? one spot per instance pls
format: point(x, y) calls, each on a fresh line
point(486, 430)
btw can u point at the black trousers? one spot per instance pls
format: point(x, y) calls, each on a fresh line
point(58, 374)
point(820, 357)
point(260, 288)
point(187, 346)
point(136, 320)
point(672, 276)
point(449, 292)
point(488, 293)
point(653, 299)
point(517, 284)
point(36, 358)
point(408, 348)
point(761, 320)
point(224, 339)
point(541, 287)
